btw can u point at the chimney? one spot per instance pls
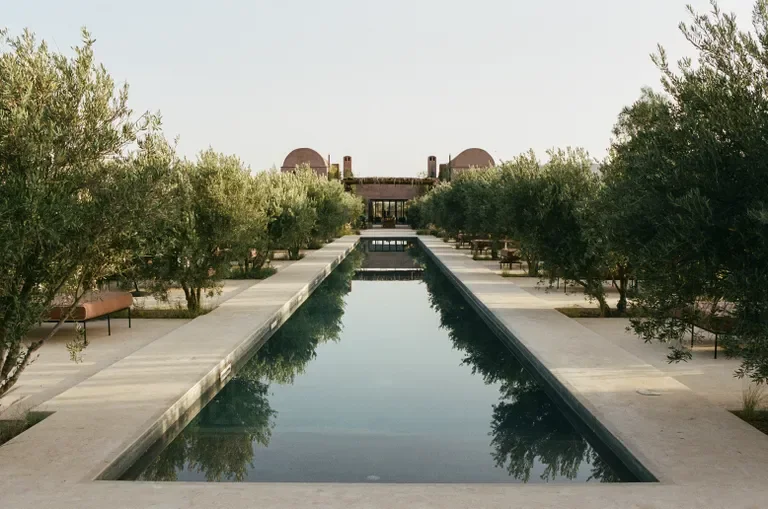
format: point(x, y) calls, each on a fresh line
point(432, 167)
point(347, 167)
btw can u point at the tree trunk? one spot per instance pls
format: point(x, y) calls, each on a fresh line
point(7, 382)
point(623, 288)
point(293, 253)
point(192, 304)
point(533, 266)
point(621, 306)
point(594, 289)
point(10, 346)
point(13, 363)
point(258, 261)
point(11, 360)
point(605, 309)
point(191, 296)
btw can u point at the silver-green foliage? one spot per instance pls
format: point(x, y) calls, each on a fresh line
point(213, 217)
point(548, 208)
point(291, 211)
point(71, 201)
point(306, 208)
point(693, 164)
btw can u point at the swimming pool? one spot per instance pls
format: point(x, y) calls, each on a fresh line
point(385, 374)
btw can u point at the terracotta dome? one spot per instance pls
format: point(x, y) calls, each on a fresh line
point(473, 158)
point(305, 156)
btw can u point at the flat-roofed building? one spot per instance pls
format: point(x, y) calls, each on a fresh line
point(388, 197)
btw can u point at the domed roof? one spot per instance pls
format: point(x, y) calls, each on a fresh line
point(473, 157)
point(305, 156)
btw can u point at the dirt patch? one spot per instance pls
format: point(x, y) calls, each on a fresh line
point(758, 419)
point(14, 427)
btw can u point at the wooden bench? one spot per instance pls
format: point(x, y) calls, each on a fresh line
point(509, 257)
point(94, 306)
point(480, 246)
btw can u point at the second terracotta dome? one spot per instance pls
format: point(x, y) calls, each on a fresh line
point(473, 158)
point(305, 156)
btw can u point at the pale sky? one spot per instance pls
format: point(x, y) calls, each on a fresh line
point(387, 82)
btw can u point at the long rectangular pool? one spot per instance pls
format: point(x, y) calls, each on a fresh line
point(385, 377)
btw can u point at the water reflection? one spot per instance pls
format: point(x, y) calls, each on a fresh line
point(526, 426)
point(390, 402)
point(219, 442)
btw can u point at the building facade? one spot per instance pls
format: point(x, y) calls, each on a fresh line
point(388, 197)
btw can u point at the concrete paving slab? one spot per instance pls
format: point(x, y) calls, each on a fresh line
point(705, 457)
point(53, 371)
point(708, 377)
point(134, 400)
point(679, 436)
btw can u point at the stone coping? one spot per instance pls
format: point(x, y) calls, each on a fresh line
point(678, 436)
point(102, 425)
point(704, 456)
point(551, 384)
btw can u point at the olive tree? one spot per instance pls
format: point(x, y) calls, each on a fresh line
point(443, 208)
point(416, 217)
point(695, 159)
point(478, 194)
point(255, 251)
point(291, 212)
point(71, 200)
point(214, 219)
point(334, 208)
point(553, 212)
point(516, 204)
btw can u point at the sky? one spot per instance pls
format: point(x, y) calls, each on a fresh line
point(386, 82)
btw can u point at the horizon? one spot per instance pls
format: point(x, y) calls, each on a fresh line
point(387, 86)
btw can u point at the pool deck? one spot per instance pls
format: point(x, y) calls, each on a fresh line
point(703, 456)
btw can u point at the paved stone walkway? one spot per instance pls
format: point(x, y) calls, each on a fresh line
point(705, 457)
point(134, 400)
point(708, 377)
point(53, 371)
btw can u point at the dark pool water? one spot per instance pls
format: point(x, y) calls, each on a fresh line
point(388, 380)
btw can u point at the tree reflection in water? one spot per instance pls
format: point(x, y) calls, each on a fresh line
point(526, 426)
point(219, 442)
point(528, 432)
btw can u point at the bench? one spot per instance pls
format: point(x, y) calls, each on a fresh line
point(93, 306)
point(716, 321)
point(480, 246)
point(509, 257)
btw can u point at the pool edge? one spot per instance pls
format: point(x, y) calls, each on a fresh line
point(213, 381)
point(539, 370)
